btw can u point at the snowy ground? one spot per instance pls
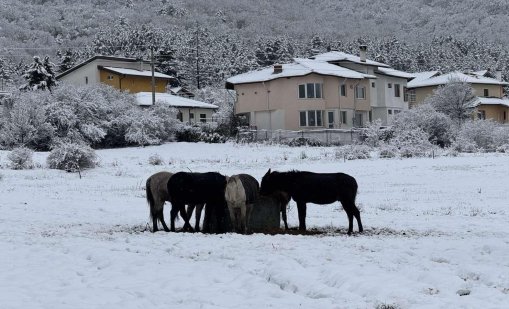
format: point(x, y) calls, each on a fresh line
point(433, 227)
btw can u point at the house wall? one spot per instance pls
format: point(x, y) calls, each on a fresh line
point(494, 91)
point(196, 111)
point(281, 98)
point(498, 113)
point(132, 84)
point(90, 71)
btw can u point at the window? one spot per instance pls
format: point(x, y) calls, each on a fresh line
point(397, 93)
point(310, 91)
point(389, 85)
point(481, 115)
point(343, 117)
point(312, 118)
point(343, 90)
point(330, 119)
point(396, 111)
point(411, 97)
point(373, 85)
point(191, 116)
point(486, 92)
point(86, 80)
point(405, 94)
point(360, 92)
point(110, 77)
point(203, 117)
point(389, 111)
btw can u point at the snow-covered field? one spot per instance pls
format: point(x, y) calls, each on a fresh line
point(433, 227)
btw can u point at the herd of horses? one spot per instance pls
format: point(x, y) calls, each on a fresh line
point(238, 193)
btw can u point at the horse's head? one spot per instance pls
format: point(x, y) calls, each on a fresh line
point(268, 184)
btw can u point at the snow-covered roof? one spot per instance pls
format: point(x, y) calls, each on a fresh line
point(341, 56)
point(300, 67)
point(145, 99)
point(146, 73)
point(479, 73)
point(395, 73)
point(491, 101)
point(445, 78)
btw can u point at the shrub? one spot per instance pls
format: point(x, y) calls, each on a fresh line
point(353, 152)
point(411, 142)
point(72, 157)
point(187, 133)
point(213, 138)
point(388, 151)
point(480, 135)
point(303, 141)
point(155, 159)
point(21, 158)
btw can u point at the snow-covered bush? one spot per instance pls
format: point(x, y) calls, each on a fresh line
point(21, 158)
point(437, 125)
point(213, 138)
point(71, 157)
point(503, 148)
point(353, 152)
point(374, 134)
point(155, 159)
point(188, 133)
point(411, 143)
point(303, 141)
point(480, 135)
point(388, 151)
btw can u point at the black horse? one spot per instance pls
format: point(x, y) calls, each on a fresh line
point(194, 189)
point(318, 188)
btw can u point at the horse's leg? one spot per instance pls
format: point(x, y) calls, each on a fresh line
point(301, 207)
point(183, 214)
point(357, 215)
point(350, 220)
point(231, 210)
point(175, 207)
point(352, 211)
point(161, 218)
point(243, 217)
point(283, 213)
point(197, 214)
point(154, 224)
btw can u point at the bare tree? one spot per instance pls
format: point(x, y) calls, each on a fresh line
point(455, 99)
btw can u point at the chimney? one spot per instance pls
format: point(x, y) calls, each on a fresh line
point(362, 52)
point(278, 68)
point(498, 75)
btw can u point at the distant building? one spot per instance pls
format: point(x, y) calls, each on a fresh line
point(490, 102)
point(190, 111)
point(331, 90)
point(129, 74)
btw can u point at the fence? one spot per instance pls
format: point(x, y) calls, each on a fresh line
point(319, 137)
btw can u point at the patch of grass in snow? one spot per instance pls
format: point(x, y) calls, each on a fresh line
point(387, 306)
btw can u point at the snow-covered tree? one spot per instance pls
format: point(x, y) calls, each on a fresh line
point(455, 99)
point(40, 75)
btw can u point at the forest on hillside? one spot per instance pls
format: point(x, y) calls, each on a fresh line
point(204, 42)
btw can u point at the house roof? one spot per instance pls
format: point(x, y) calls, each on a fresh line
point(395, 73)
point(300, 67)
point(491, 101)
point(145, 99)
point(134, 72)
point(445, 78)
point(334, 56)
point(99, 57)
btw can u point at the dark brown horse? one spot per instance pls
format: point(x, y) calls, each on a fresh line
point(195, 189)
point(317, 188)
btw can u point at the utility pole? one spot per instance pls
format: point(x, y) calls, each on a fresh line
point(153, 77)
point(197, 57)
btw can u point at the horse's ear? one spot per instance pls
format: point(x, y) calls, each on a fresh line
point(268, 172)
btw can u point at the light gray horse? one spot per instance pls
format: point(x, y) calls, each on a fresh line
point(241, 192)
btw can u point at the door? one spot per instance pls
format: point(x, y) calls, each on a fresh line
point(358, 120)
point(330, 119)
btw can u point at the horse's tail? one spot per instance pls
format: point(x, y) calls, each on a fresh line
point(150, 199)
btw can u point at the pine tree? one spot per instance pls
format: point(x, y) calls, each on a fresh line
point(40, 75)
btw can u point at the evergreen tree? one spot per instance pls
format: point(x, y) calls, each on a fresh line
point(40, 75)
point(5, 74)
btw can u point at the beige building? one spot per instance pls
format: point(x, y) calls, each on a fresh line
point(331, 90)
point(305, 94)
point(490, 102)
point(132, 75)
